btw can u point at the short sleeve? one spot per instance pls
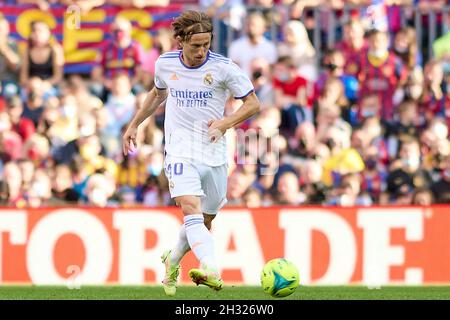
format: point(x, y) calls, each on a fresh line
point(159, 82)
point(238, 82)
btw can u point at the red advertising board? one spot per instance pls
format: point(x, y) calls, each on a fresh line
point(332, 246)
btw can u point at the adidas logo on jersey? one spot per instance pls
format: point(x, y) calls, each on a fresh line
point(174, 77)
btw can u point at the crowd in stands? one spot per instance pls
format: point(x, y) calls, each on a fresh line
point(366, 124)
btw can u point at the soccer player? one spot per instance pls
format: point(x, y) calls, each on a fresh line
point(195, 83)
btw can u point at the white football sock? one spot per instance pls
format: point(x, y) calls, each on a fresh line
point(200, 240)
point(182, 247)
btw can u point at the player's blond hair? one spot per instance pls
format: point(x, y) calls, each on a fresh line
point(190, 23)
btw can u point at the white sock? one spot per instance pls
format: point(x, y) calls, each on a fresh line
point(200, 240)
point(182, 247)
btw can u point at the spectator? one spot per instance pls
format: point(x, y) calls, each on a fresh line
point(133, 171)
point(344, 159)
point(254, 45)
point(21, 125)
point(406, 172)
point(311, 182)
point(333, 93)
point(380, 72)
point(252, 198)
point(230, 16)
point(262, 82)
point(62, 186)
point(13, 178)
point(290, 94)
point(297, 45)
point(405, 47)
point(120, 108)
point(9, 60)
point(37, 149)
point(423, 197)
point(407, 123)
point(99, 189)
point(288, 191)
point(27, 169)
point(34, 106)
point(236, 188)
point(155, 191)
point(121, 55)
point(334, 62)
point(92, 159)
point(374, 176)
point(414, 88)
point(42, 58)
point(433, 97)
point(10, 141)
point(328, 115)
point(352, 45)
point(40, 190)
point(348, 193)
point(78, 89)
point(303, 143)
point(441, 189)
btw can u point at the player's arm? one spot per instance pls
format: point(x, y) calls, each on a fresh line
point(153, 100)
point(250, 107)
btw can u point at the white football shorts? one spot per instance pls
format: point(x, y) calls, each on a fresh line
point(188, 177)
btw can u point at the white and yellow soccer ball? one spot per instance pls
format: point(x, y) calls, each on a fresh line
point(279, 278)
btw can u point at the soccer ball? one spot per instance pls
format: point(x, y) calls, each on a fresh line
point(279, 278)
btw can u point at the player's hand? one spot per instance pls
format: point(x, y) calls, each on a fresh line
point(216, 129)
point(129, 140)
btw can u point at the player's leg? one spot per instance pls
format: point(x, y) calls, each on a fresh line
point(199, 238)
point(183, 179)
point(182, 246)
point(208, 220)
point(214, 184)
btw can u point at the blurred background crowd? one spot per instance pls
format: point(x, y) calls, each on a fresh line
point(354, 99)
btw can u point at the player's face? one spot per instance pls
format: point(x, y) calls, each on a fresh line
point(196, 49)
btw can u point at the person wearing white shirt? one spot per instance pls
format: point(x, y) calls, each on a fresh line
point(254, 45)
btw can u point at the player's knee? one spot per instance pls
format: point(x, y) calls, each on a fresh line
point(189, 205)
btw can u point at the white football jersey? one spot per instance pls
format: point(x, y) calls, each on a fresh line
point(195, 96)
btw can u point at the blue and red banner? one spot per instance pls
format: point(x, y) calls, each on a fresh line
point(83, 34)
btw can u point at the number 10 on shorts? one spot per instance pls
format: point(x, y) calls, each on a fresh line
point(177, 169)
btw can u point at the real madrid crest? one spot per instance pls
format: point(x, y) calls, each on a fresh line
point(208, 80)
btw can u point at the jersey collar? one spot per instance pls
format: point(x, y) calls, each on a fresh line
point(196, 67)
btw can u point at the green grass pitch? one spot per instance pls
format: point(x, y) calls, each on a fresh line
point(227, 293)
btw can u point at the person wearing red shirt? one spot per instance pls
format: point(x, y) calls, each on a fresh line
point(291, 94)
point(121, 55)
point(23, 126)
point(352, 45)
point(381, 72)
